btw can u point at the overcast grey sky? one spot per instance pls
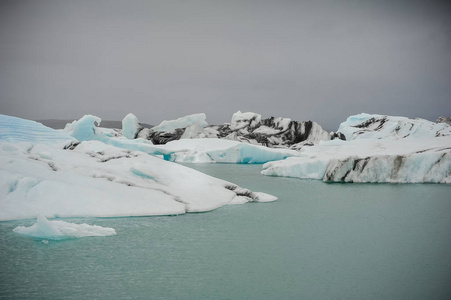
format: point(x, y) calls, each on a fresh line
point(307, 60)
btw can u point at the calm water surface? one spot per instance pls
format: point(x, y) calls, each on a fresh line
point(318, 241)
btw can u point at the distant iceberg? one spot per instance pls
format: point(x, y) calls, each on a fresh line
point(372, 127)
point(207, 150)
point(61, 230)
point(246, 127)
point(86, 170)
point(380, 149)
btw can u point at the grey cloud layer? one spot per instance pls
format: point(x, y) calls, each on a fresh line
point(318, 60)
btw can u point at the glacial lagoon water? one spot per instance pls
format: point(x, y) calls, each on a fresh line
point(318, 241)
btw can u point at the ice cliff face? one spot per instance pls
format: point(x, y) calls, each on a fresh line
point(380, 149)
point(245, 127)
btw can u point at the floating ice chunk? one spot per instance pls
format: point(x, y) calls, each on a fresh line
point(94, 179)
point(130, 126)
point(59, 230)
point(365, 160)
point(83, 129)
point(182, 122)
point(263, 197)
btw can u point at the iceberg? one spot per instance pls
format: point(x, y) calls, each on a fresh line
point(247, 127)
point(194, 150)
point(366, 126)
point(222, 151)
point(182, 122)
point(397, 150)
point(60, 230)
point(94, 179)
point(131, 126)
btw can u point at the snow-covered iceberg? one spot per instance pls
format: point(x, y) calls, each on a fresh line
point(205, 150)
point(272, 132)
point(381, 149)
point(92, 178)
point(61, 230)
point(131, 126)
point(247, 127)
point(366, 126)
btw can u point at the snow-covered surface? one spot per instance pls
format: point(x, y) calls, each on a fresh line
point(381, 149)
point(182, 122)
point(366, 126)
point(130, 126)
point(193, 131)
point(100, 180)
point(15, 129)
point(60, 230)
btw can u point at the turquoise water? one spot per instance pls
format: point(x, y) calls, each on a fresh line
point(318, 241)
